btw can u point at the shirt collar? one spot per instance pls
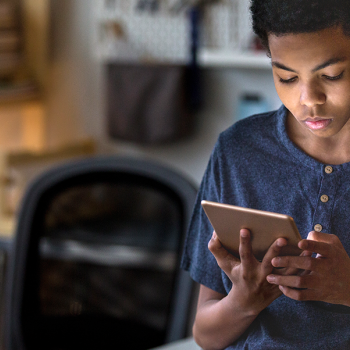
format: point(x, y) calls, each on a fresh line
point(296, 152)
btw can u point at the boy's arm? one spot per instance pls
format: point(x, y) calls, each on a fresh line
point(218, 324)
point(220, 319)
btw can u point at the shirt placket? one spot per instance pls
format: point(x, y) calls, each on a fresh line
point(325, 202)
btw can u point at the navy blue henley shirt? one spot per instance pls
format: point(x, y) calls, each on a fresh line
point(254, 164)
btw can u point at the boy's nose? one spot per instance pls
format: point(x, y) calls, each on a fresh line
point(311, 95)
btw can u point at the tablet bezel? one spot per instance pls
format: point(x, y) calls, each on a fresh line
point(265, 227)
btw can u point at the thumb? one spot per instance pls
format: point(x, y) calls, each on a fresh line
point(320, 237)
point(317, 236)
point(224, 259)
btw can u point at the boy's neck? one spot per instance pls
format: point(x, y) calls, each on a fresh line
point(334, 150)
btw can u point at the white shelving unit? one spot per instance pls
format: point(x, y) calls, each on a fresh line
point(164, 37)
point(235, 59)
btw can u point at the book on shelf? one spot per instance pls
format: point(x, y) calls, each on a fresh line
point(9, 41)
point(18, 91)
point(8, 15)
point(10, 62)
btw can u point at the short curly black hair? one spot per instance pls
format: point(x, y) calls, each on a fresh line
point(281, 17)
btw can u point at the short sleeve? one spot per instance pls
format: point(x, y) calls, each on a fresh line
point(197, 259)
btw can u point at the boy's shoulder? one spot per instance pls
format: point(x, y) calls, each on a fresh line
point(253, 130)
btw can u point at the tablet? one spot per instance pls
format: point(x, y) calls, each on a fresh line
point(265, 227)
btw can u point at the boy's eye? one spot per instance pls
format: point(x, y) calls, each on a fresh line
point(288, 81)
point(328, 77)
point(334, 77)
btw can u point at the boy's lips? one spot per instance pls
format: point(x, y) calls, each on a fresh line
point(317, 123)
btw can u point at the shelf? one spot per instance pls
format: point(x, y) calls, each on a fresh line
point(234, 59)
point(5, 245)
point(19, 92)
point(9, 63)
point(7, 228)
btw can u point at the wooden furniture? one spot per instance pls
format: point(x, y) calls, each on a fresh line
point(23, 86)
point(24, 150)
point(18, 169)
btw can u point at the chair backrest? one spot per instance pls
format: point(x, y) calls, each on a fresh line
point(95, 260)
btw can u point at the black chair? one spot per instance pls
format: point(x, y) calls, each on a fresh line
point(95, 260)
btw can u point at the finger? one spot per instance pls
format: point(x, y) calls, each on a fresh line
point(306, 253)
point(272, 252)
point(302, 272)
point(294, 281)
point(293, 270)
point(299, 294)
point(322, 248)
point(322, 237)
point(298, 262)
point(224, 259)
point(245, 249)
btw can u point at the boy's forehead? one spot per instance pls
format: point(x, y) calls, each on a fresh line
point(333, 33)
point(331, 42)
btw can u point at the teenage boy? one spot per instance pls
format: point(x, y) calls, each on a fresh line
point(294, 161)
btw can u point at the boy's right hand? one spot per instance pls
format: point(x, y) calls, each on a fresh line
point(250, 290)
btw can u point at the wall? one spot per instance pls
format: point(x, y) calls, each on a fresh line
point(75, 95)
point(76, 99)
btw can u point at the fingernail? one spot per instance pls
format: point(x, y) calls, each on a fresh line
point(270, 278)
point(280, 243)
point(274, 262)
point(244, 233)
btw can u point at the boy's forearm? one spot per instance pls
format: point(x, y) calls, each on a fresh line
point(219, 323)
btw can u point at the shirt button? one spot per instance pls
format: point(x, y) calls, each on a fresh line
point(318, 228)
point(324, 198)
point(328, 169)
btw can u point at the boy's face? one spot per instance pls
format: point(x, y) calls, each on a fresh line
point(312, 77)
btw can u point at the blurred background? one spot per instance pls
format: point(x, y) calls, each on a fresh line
point(81, 76)
point(152, 79)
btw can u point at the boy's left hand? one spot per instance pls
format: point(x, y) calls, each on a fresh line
point(328, 277)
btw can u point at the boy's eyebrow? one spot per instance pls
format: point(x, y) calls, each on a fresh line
point(282, 66)
point(319, 67)
point(329, 63)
